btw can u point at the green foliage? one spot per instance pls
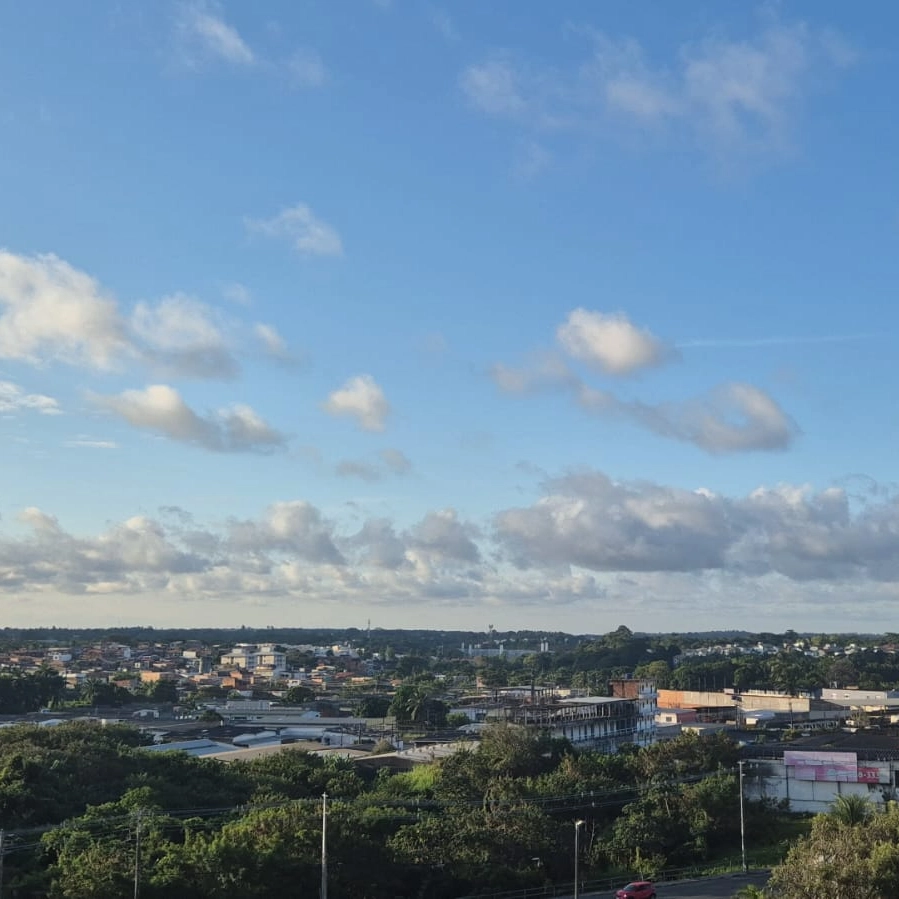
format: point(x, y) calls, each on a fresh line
point(416, 704)
point(20, 693)
point(857, 860)
point(851, 809)
point(297, 695)
point(372, 707)
point(497, 815)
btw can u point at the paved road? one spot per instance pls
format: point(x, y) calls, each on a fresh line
point(712, 888)
point(709, 888)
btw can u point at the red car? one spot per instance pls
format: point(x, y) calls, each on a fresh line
point(639, 889)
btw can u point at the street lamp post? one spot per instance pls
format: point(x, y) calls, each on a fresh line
point(742, 820)
point(577, 855)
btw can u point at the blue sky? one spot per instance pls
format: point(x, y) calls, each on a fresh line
point(546, 316)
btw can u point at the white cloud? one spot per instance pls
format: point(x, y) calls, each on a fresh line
point(726, 95)
point(494, 87)
point(53, 312)
point(362, 399)
point(298, 224)
point(306, 69)
point(353, 468)
point(178, 335)
point(390, 462)
point(590, 521)
point(588, 543)
point(543, 371)
point(205, 36)
point(443, 536)
point(396, 461)
point(237, 293)
point(14, 399)
point(293, 527)
point(272, 342)
point(587, 520)
point(610, 342)
point(91, 443)
point(50, 311)
point(731, 418)
point(161, 409)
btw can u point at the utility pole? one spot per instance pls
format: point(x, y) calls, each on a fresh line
point(324, 890)
point(742, 821)
point(577, 854)
point(137, 839)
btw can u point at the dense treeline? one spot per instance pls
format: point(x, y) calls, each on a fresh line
point(73, 799)
point(22, 693)
point(25, 692)
point(788, 671)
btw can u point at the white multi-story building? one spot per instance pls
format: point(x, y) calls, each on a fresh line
point(605, 723)
point(264, 659)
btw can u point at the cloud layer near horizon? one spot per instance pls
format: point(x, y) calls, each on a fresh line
point(586, 539)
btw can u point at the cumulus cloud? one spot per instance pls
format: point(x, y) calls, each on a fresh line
point(160, 409)
point(14, 399)
point(586, 519)
point(53, 312)
point(134, 556)
point(732, 418)
point(588, 541)
point(272, 342)
point(299, 225)
point(610, 342)
point(50, 311)
point(590, 521)
point(361, 398)
point(294, 527)
point(443, 536)
point(179, 335)
point(204, 36)
point(395, 460)
point(726, 95)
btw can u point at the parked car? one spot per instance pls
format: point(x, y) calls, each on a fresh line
point(639, 889)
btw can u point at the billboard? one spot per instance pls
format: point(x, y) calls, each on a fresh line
point(826, 766)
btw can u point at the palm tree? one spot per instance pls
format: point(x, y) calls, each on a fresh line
point(851, 809)
point(750, 892)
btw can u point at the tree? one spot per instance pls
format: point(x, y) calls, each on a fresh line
point(658, 671)
point(297, 695)
point(372, 707)
point(845, 860)
point(415, 704)
point(750, 892)
point(98, 692)
point(842, 673)
point(161, 691)
point(851, 808)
